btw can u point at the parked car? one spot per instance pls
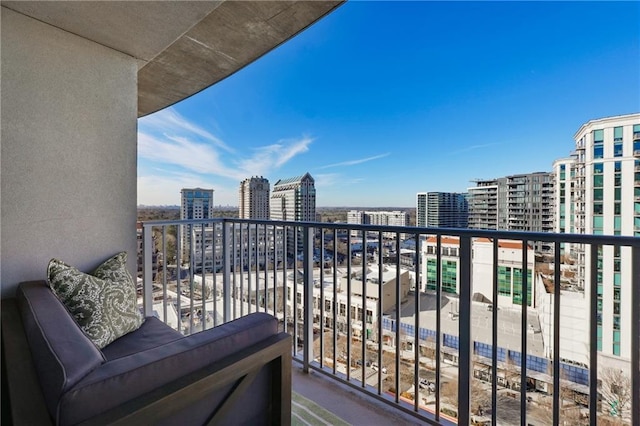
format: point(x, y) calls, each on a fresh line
point(375, 367)
point(427, 384)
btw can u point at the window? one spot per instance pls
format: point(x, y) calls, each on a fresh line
point(597, 223)
point(617, 134)
point(617, 208)
point(432, 269)
point(598, 147)
point(597, 194)
point(598, 168)
point(504, 280)
point(617, 149)
point(517, 286)
point(598, 136)
point(449, 276)
point(597, 208)
point(616, 344)
point(598, 151)
point(598, 180)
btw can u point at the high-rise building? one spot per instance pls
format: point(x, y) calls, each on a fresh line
point(598, 192)
point(522, 202)
point(530, 200)
point(254, 198)
point(442, 210)
point(294, 199)
point(386, 218)
point(196, 203)
point(484, 211)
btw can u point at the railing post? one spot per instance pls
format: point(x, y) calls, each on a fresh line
point(226, 277)
point(308, 298)
point(464, 351)
point(635, 335)
point(147, 270)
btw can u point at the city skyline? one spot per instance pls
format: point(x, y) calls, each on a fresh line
point(421, 96)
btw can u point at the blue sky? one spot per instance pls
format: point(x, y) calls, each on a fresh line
point(381, 100)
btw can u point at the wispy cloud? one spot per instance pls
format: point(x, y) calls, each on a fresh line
point(171, 123)
point(327, 180)
point(168, 139)
point(354, 162)
point(190, 155)
point(474, 147)
point(268, 158)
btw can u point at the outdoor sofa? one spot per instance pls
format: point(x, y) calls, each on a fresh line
point(236, 373)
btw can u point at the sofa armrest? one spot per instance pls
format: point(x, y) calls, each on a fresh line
point(26, 405)
point(127, 378)
point(63, 354)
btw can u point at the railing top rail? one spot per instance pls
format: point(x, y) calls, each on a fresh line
point(412, 230)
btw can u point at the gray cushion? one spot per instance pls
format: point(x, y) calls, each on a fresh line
point(151, 334)
point(103, 303)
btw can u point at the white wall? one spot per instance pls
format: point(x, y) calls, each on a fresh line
point(574, 324)
point(68, 174)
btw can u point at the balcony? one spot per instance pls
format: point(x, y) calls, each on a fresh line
point(463, 363)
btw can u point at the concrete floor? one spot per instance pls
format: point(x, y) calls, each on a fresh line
point(348, 404)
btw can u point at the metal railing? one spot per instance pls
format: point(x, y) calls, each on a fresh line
point(372, 314)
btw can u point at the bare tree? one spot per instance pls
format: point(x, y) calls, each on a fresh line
point(449, 393)
point(480, 397)
point(616, 392)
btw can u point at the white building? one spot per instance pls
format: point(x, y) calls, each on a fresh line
point(509, 270)
point(249, 243)
point(360, 309)
point(385, 218)
point(598, 192)
point(254, 198)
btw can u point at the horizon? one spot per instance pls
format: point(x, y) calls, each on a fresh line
point(379, 101)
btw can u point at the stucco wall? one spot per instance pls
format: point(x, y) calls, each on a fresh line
point(68, 165)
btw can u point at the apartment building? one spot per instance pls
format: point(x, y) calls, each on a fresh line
point(195, 203)
point(522, 202)
point(487, 204)
point(294, 199)
point(385, 218)
point(598, 192)
point(360, 301)
point(253, 198)
point(442, 210)
point(209, 251)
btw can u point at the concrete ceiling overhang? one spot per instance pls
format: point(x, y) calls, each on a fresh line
point(182, 47)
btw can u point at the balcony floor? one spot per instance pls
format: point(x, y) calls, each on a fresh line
point(346, 403)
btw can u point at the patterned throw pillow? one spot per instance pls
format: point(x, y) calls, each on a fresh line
point(103, 303)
